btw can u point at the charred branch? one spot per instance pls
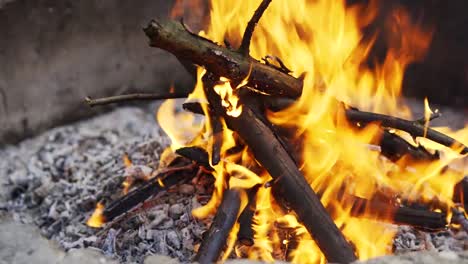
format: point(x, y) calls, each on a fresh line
point(194, 107)
point(134, 97)
point(164, 180)
point(270, 153)
point(246, 39)
point(394, 148)
point(414, 128)
point(196, 154)
point(217, 138)
point(215, 238)
point(384, 211)
point(173, 37)
point(246, 232)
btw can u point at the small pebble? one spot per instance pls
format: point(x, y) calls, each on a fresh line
point(173, 239)
point(176, 210)
point(159, 217)
point(186, 189)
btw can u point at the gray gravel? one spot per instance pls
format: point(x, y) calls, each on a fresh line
point(54, 181)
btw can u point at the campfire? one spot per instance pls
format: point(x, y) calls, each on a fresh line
point(305, 152)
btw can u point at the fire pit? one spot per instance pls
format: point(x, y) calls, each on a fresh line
point(305, 156)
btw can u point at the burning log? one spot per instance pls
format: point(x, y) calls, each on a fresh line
point(394, 148)
point(401, 215)
point(164, 180)
point(414, 128)
point(175, 38)
point(215, 238)
point(197, 154)
point(217, 128)
point(271, 154)
point(246, 232)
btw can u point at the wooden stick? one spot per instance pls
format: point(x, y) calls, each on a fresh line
point(246, 232)
point(269, 152)
point(394, 148)
point(414, 128)
point(215, 238)
point(246, 39)
point(194, 107)
point(160, 182)
point(173, 37)
point(197, 154)
point(134, 97)
point(384, 211)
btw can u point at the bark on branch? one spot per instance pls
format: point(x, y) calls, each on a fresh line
point(246, 39)
point(414, 128)
point(216, 237)
point(173, 37)
point(133, 97)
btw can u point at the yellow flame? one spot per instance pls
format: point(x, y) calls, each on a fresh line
point(427, 115)
point(97, 219)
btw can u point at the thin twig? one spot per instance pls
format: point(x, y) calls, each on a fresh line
point(134, 97)
point(245, 45)
point(414, 128)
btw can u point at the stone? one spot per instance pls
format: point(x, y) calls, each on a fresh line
point(176, 210)
point(159, 217)
point(173, 239)
point(187, 189)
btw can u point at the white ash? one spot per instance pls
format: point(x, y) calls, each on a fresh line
point(54, 181)
point(409, 239)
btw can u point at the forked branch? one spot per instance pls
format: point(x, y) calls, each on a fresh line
point(246, 39)
point(414, 128)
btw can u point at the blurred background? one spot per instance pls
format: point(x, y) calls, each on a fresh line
point(54, 53)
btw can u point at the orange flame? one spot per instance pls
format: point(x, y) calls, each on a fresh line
point(97, 219)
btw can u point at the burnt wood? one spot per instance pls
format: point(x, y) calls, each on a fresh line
point(414, 128)
point(245, 236)
point(271, 154)
point(394, 148)
point(385, 211)
point(160, 182)
point(215, 238)
point(174, 37)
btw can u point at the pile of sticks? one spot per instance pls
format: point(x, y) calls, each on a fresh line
point(273, 152)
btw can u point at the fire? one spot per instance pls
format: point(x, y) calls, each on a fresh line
point(97, 219)
point(229, 100)
point(323, 39)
